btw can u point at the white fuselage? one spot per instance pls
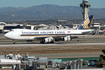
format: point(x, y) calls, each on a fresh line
point(25, 34)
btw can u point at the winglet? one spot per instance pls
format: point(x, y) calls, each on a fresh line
point(86, 24)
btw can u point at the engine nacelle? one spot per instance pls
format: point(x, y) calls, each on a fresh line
point(48, 40)
point(67, 38)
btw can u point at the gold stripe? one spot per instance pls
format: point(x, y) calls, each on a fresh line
point(39, 35)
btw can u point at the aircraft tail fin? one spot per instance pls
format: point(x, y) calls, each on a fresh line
point(86, 24)
point(94, 33)
point(103, 30)
point(24, 28)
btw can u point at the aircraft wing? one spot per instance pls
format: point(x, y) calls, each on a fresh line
point(56, 38)
point(60, 37)
point(40, 38)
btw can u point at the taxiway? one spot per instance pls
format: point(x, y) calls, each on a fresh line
point(83, 41)
point(55, 44)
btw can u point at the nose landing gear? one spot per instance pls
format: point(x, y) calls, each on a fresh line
point(13, 42)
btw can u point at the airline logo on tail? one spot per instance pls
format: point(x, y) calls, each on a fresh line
point(86, 24)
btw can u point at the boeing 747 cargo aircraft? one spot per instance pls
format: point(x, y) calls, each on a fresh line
point(49, 36)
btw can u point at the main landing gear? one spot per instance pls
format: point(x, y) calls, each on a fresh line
point(43, 41)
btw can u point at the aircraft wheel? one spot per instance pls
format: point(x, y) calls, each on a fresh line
point(52, 42)
point(13, 42)
point(42, 41)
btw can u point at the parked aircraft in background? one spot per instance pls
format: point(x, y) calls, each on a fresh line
point(49, 36)
point(103, 30)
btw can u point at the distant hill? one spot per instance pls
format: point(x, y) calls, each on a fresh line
point(43, 12)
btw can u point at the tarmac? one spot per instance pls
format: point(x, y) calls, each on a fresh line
point(83, 41)
point(96, 40)
point(90, 40)
point(55, 44)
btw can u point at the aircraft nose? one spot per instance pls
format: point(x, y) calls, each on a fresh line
point(6, 35)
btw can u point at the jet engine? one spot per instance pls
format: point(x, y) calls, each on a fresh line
point(67, 38)
point(48, 40)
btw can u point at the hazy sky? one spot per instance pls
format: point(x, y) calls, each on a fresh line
point(28, 3)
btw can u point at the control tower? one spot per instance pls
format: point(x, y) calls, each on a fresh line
point(85, 5)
